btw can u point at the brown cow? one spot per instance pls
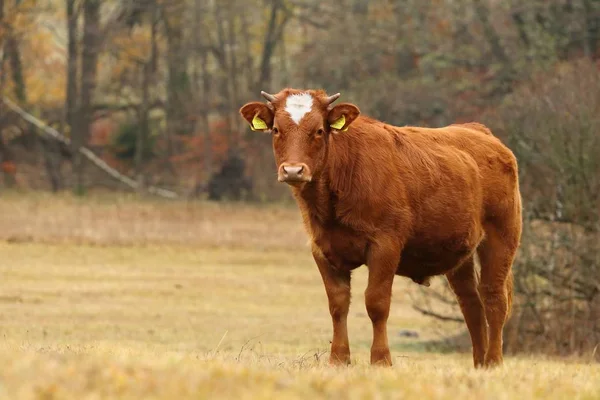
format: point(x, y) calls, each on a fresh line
point(415, 202)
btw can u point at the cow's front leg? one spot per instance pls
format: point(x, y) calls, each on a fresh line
point(383, 260)
point(337, 286)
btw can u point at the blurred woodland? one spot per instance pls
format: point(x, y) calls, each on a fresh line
point(152, 88)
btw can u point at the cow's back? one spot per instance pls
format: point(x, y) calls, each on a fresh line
point(495, 164)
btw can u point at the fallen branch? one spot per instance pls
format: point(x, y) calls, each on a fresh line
point(86, 152)
point(436, 315)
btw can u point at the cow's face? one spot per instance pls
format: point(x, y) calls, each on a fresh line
point(301, 123)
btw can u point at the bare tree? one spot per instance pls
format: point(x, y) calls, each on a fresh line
point(202, 53)
point(279, 17)
point(72, 59)
point(178, 95)
point(89, 68)
point(7, 161)
point(148, 72)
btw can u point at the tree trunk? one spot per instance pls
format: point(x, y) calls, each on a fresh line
point(148, 73)
point(208, 156)
point(71, 90)
point(592, 27)
point(247, 63)
point(223, 76)
point(11, 52)
point(7, 164)
point(492, 37)
point(405, 63)
point(178, 84)
point(273, 35)
point(52, 157)
point(233, 74)
point(143, 129)
point(202, 52)
point(89, 67)
point(2, 35)
point(519, 21)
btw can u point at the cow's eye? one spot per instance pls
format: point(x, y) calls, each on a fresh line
point(320, 131)
point(275, 131)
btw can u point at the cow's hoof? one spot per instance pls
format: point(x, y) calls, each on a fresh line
point(339, 355)
point(381, 357)
point(493, 362)
point(339, 359)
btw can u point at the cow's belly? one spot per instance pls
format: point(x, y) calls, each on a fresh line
point(420, 263)
point(420, 260)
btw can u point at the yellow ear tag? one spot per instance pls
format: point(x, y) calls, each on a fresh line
point(258, 123)
point(339, 123)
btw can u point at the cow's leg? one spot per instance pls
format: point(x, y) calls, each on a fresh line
point(383, 260)
point(496, 254)
point(337, 286)
point(463, 281)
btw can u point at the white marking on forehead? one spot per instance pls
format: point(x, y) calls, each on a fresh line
point(297, 105)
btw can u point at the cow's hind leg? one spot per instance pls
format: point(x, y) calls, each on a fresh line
point(496, 254)
point(337, 286)
point(463, 281)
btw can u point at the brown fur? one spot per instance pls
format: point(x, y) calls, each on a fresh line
point(414, 202)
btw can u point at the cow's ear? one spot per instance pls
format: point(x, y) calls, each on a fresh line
point(259, 116)
point(341, 116)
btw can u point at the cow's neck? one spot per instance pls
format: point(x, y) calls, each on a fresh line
point(316, 199)
point(321, 196)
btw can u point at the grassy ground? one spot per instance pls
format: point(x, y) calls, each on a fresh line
point(120, 298)
point(105, 219)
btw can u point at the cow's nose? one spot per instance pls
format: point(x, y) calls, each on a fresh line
point(294, 173)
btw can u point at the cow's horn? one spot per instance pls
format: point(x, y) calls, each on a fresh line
point(268, 96)
point(332, 98)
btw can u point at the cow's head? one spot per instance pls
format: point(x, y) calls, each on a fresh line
point(301, 122)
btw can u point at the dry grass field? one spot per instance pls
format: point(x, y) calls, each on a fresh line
point(116, 297)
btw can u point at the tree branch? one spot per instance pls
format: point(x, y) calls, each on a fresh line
point(126, 106)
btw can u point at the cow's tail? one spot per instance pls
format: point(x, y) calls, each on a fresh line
point(509, 293)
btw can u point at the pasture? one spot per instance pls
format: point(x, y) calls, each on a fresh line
point(116, 297)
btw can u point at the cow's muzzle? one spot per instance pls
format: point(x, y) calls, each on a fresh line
point(294, 173)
